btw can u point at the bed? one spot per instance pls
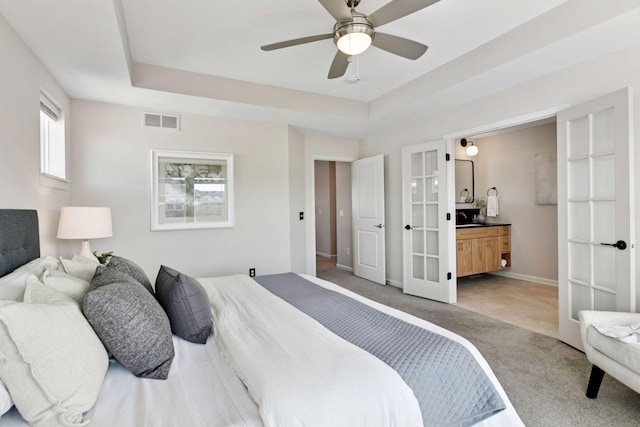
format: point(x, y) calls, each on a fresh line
point(282, 353)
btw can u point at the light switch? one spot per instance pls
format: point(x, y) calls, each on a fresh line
point(341, 212)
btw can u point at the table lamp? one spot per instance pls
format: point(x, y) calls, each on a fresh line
point(84, 223)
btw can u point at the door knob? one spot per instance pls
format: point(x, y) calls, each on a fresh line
point(408, 227)
point(378, 226)
point(620, 244)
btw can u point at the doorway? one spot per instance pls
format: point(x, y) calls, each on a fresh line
point(509, 162)
point(333, 228)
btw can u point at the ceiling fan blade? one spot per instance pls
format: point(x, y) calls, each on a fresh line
point(399, 46)
point(296, 42)
point(397, 9)
point(338, 9)
point(339, 65)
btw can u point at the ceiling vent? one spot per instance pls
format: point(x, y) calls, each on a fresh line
point(162, 120)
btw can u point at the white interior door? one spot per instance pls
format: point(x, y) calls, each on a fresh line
point(424, 210)
point(367, 195)
point(595, 211)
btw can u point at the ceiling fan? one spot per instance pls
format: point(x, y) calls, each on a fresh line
point(354, 32)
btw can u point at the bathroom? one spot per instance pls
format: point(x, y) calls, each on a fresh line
point(516, 165)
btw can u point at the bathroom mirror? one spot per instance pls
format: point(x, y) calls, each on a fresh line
point(465, 180)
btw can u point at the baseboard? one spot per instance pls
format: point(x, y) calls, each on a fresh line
point(324, 255)
point(344, 267)
point(526, 277)
point(394, 283)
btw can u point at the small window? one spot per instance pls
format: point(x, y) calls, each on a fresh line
point(52, 142)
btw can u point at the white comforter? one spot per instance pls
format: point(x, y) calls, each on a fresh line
point(298, 372)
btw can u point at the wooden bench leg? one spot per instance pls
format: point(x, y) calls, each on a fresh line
point(594, 382)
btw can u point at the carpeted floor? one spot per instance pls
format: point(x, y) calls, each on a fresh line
point(545, 379)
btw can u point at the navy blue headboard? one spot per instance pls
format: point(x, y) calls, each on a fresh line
point(19, 238)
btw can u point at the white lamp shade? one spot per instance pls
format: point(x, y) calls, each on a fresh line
point(78, 222)
point(354, 43)
point(472, 150)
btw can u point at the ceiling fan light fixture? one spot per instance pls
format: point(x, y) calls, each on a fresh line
point(354, 37)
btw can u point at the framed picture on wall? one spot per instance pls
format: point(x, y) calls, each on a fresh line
point(191, 190)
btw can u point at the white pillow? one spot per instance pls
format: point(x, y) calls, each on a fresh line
point(12, 285)
point(69, 285)
point(80, 267)
point(53, 363)
point(5, 399)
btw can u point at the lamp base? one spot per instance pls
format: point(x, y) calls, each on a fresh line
point(86, 251)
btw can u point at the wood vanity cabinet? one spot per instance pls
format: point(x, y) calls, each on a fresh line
point(481, 249)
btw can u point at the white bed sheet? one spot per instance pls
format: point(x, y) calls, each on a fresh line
point(201, 391)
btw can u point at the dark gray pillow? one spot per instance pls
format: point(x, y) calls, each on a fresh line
point(186, 303)
point(106, 276)
point(132, 326)
point(132, 269)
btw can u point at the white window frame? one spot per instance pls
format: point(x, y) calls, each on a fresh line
point(52, 139)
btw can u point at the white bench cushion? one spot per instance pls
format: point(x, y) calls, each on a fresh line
point(626, 354)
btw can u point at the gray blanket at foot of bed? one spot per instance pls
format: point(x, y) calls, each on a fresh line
point(451, 388)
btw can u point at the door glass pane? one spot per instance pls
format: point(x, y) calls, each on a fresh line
point(604, 301)
point(578, 180)
point(579, 265)
point(430, 162)
point(416, 164)
point(604, 218)
point(433, 273)
point(417, 215)
point(432, 216)
point(417, 190)
point(604, 176)
point(579, 138)
point(430, 183)
point(603, 131)
point(604, 266)
point(418, 267)
point(579, 221)
point(417, 237)
point(432, 242)
point(580, 299)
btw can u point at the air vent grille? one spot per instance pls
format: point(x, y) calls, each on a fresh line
point(162, 120)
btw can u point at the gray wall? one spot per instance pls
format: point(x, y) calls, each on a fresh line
point(507, 161)
point(112, 168)
point(343, 222)
point(22, 77)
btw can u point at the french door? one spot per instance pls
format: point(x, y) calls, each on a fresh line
point(425, 234)
point(596, 267)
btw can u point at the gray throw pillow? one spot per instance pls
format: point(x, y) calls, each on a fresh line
point(132, 269)
point(106, 276)
point(186, 303)
point(132, 326)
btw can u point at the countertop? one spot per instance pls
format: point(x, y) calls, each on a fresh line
point(493, 224)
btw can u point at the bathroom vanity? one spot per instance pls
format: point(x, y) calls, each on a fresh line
point(482, 248)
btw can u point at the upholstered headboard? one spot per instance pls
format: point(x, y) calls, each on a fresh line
point(19, 238)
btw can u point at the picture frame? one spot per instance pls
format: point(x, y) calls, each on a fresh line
point(191, 190)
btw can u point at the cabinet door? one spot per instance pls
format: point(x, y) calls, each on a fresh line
point(478, 263)
point(492, 253)
point(464, 261)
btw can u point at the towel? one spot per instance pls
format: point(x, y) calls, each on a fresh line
point(627, 334)
point(492, 206)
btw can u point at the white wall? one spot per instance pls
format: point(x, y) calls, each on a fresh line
point(570, 86)
point(298, 236)
point(112, 168)
point(22, 77)
point(343, 222)
point(507, 161)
